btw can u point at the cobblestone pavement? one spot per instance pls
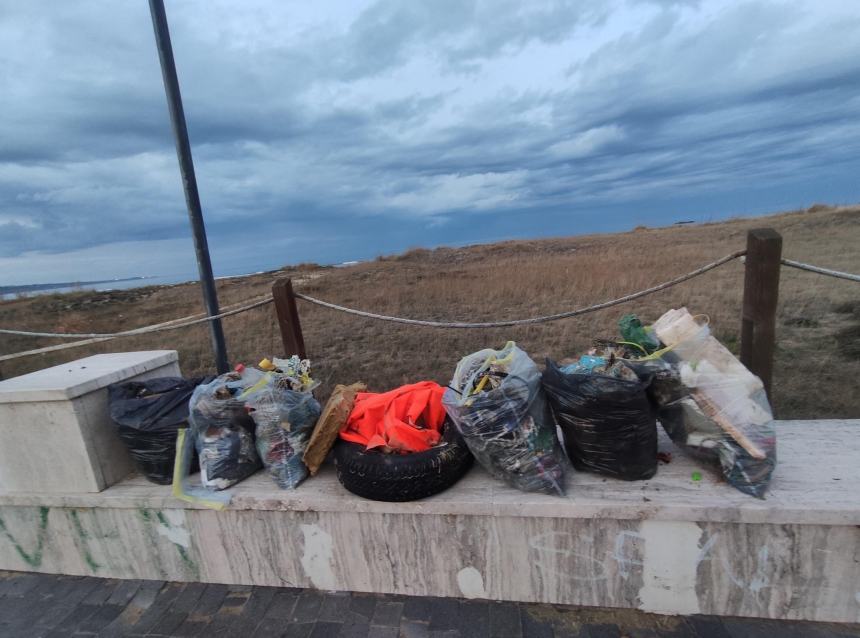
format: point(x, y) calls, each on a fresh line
point(48, 605)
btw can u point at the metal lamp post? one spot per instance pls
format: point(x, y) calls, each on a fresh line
point(189, 181)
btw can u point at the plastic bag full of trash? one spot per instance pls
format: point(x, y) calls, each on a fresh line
point(711, 405)
point(496, 401)
point(148, 414)
point(223, 431)
point(605, 415)
point(284, 412)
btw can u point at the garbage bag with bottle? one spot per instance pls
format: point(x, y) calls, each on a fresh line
point(710, 404)
point(222, 430)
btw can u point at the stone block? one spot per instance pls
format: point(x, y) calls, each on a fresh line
point(55, 429)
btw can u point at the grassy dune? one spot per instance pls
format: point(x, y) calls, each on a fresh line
point(818, 350)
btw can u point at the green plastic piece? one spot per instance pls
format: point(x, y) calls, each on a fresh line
point(696, 476)
point(632, 330)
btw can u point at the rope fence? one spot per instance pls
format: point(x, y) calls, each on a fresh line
point(97, 338)
point(821, 271)
point(532, 320)
point(183, 322)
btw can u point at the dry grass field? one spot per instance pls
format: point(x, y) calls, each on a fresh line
point(818, 351)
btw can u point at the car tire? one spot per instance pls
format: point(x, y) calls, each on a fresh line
point(403, 477)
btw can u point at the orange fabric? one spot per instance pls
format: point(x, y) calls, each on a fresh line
point(408, 418)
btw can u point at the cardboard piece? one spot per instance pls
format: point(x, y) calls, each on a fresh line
point(330, 423)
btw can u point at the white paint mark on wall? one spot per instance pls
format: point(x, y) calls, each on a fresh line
point(471, 583)
point(671, 556)
point(175, 530)
point(758, 581)
point(621, 555)
point(857, 597)
point(554, 555)
point(317, 557)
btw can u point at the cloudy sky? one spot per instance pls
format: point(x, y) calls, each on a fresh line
point(331, 131)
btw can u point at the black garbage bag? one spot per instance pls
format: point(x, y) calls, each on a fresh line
point(148, 414)
point(608, 423)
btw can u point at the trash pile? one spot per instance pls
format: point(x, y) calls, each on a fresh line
point(675, 370)
point(419, 439)
point(255, 416)
point(497, 403)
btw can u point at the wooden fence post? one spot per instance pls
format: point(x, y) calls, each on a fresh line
point(761, 291)
point(288, 318)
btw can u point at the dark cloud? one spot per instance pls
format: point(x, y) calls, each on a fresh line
point(332, 136)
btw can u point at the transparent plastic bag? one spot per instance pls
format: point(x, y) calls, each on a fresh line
point(284, 420)
point(712, 406)
point(608, 423)
point(223, 431)
point(497, 403)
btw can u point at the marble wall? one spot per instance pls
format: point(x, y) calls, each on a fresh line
point(775, 571)
point(56, 432)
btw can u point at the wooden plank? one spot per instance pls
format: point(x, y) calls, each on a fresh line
point(288, 318)
point(761, 292)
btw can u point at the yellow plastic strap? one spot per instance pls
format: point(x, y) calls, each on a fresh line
point(262, 383)
point(178, 476)
point(633, 343)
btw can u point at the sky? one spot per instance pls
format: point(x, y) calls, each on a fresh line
point(336, 131)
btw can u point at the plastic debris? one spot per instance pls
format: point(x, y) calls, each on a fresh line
point(586, 363)
point(284, 413)
point(250, 416)
point(497, 403)
point(183, 489)
point(634, 332)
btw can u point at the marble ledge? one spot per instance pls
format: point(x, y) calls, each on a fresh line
point(815, 484)
point(76, 378)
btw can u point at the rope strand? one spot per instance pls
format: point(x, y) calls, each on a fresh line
point(138, 331)
point(821, 271)
point(184, 322)
point(533, 320)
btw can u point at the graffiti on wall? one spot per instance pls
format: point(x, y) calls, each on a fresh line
point(30, 544)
